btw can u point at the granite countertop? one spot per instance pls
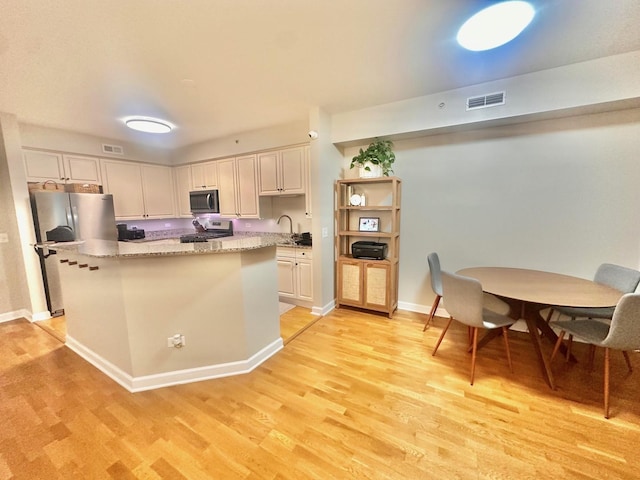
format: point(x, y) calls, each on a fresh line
point(170, 246)
point(109, 248)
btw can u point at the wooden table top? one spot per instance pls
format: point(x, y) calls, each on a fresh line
point(543, 287)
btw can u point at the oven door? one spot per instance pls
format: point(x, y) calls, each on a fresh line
point(204, 201)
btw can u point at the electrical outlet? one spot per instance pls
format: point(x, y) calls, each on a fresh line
point(247, 225)
point(4, 237)
point(167, 225)
point(325, 232)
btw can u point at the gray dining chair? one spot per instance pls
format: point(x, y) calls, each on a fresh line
point(464, 300)
point(623, 333)
point(436, 285)
point(621, 278)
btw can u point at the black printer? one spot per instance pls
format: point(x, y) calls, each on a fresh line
point(372, 250)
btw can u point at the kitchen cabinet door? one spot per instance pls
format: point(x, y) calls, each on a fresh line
point(247, 187)
point(79, 169)
point(307, 189)
point(43, 166)
point(227, 187)
point(238, 188)
point(286, 277)
point(182, 177)
point(292, 171)
point(157, 188)
point(139, 191)
point(282, 172)
point(305, 279)
point(61, 168)
point(204, 176)
point(124, 181)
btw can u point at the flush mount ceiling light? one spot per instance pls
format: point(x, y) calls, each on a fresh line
point(148, 125)
point(495, 25)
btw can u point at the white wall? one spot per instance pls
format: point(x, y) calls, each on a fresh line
point(44, 138)
point(277, 136)
point(559, 195)
point(598, 85)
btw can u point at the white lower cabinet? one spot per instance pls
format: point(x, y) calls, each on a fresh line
point(295, 274)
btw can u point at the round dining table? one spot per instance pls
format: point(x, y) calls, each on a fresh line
point(527, 292)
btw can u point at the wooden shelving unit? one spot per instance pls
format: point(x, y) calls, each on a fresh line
point(367, 283)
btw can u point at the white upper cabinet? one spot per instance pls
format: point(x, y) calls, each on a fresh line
point(238, 188)
point(43, 166)
point(282, 172)
point(182, 178)
point(204, 176)
point(307, 178)
point(139, 191)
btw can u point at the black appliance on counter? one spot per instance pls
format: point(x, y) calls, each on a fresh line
point(215, 229)
point(304, 239)
point(372, 250)
point(125, 233)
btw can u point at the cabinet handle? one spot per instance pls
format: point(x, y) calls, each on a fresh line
point(73, 262)
point(83, 265)
point(64, 260)
point(91, 269)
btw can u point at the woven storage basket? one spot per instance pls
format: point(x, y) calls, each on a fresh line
point(83, 188)
point(49, 186)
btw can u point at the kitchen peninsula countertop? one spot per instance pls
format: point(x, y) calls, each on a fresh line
point(108, 248)
point(170, 245)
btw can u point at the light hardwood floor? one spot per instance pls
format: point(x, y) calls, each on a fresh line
point(355, 396)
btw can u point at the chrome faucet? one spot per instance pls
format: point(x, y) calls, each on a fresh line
point(290, 222)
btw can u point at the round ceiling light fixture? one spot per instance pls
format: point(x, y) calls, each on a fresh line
point(495, 25)
point(148, 125)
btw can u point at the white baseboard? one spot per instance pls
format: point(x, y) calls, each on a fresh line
point(166, 379)
point(322, 311)
point(9, 316)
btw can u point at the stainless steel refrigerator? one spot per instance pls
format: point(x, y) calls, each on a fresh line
point(61, 216)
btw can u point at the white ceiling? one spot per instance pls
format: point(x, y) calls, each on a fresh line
point(219, 67)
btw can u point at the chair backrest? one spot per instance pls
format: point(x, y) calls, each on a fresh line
point(621, 278)
point(463, 298)
point(624, 332)
point(434, 269)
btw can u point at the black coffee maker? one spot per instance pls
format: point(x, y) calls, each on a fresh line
point(125, 234)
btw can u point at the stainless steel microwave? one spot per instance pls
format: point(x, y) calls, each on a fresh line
point(204, 201)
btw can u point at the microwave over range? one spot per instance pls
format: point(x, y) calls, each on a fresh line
point(204, 201)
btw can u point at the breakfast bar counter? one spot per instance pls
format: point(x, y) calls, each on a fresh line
point(125, 301)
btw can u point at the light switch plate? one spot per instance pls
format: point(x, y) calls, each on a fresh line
point(4, 237)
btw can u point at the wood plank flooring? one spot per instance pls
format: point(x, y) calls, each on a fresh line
point(354, 396)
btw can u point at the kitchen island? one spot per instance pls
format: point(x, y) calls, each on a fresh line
point(125, 302)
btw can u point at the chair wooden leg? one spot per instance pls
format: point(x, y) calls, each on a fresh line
point(626, 357)
point(442, 335)
point(549, 315)
point(569, 345)
point(606, 382)
point(557, 345)
point(473, 353)
point(505, 335)
point(434, 307)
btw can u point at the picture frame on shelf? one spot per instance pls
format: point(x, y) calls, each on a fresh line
point(369, 224)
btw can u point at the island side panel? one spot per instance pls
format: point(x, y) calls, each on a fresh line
point(94, 310)
point(260, 297)
point(199, 296)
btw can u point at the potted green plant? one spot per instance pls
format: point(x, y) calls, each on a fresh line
point(376, 160)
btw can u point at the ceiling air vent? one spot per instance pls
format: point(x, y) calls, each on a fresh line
point(483, 101)
point(114, 149)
